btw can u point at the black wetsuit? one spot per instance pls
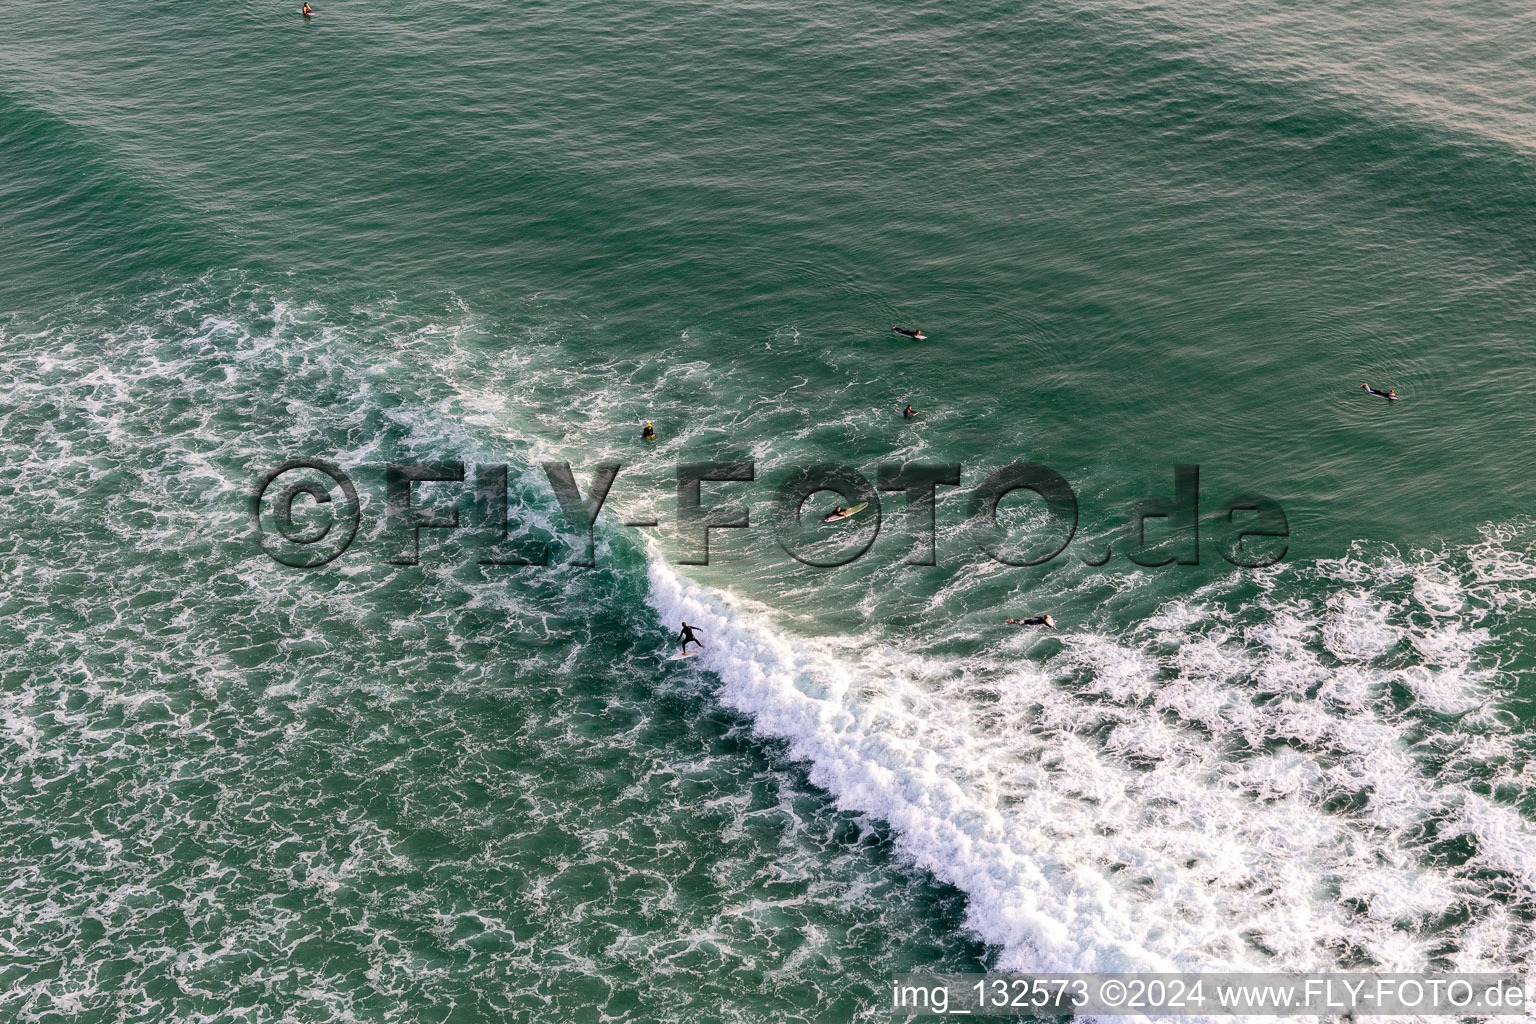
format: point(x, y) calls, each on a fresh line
point(1037, 620)
point(647, 433)
point(903, 330)
point(686, 637)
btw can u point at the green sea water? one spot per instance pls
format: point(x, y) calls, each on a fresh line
point(1137, 236)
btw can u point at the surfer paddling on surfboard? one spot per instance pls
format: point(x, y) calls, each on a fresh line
point(915, 335)
point(1390, 394)
point(1037, 620)
point(686, 636)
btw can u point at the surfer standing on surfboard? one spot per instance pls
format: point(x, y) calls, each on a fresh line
point(686, 637)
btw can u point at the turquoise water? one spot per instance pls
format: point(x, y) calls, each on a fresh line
point(1137, 236)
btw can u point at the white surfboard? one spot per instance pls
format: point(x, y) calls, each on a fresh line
point(837, 517)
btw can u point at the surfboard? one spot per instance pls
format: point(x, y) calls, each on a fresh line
point(836, 516)
point(679, 656)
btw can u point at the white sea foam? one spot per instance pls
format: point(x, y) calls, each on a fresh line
point(1262, 782)
point(1134, 804)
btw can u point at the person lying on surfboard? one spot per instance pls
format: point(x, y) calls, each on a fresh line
point(1390, 394)
point(686, 637)
point(1038, 620)
point(915, 335)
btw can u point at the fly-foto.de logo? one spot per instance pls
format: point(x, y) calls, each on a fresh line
point(306, 513)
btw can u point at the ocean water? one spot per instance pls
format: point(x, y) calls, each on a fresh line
point(1138, 235)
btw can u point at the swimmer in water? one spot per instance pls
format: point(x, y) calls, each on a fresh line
point(1037, 620)
point(909, 413)
point(649, 433)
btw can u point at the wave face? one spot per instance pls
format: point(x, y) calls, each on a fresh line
point(234, 791)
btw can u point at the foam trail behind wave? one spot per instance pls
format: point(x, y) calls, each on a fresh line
point(1240, 784)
